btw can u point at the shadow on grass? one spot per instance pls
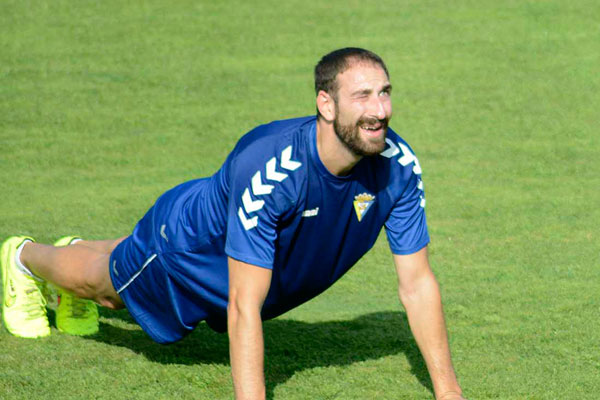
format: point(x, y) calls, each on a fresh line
point(290, 346)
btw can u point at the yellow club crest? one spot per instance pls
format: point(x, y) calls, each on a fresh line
point(362, 203)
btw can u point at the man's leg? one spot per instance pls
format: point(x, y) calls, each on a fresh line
point(80, 268)
point(74, 315)
point(102, 246)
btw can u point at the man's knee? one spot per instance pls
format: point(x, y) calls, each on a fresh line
point(97, 285)
point(100, 290)
point(114, 303)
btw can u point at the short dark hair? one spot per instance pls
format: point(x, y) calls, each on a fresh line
point(338, 61)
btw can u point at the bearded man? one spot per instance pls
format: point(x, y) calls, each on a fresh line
point(295, 205)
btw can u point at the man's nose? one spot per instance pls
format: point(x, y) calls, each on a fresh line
point(377, 108)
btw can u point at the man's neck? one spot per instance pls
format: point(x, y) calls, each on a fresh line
point(335, 156)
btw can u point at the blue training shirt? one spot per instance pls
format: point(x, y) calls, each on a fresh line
point(273, 204)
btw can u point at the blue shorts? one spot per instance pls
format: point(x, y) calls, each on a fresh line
point(140, 277)
point(172, 273)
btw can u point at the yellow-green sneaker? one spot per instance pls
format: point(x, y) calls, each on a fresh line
point(74, 315)
point(23, 306)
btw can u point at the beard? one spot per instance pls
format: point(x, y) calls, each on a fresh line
point(349, 135)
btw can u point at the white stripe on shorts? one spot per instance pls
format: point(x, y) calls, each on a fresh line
point(148, 261)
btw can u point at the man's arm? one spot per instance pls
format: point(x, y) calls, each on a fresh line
point(420, 294)
point(248, 288)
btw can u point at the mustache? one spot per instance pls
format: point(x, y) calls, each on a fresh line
point(371, 121)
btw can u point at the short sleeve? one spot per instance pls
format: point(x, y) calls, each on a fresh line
point(406, 226)
point(256, 207)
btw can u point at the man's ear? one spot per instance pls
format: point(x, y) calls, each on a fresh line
point(326, 105)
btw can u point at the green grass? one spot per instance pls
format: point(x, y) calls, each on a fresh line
point(104, 105)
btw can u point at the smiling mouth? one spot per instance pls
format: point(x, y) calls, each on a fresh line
point(373, 130)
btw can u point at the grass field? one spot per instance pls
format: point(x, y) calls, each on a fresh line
point(104, 105)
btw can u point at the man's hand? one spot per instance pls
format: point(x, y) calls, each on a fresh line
point(248, 288)
point(419, 292)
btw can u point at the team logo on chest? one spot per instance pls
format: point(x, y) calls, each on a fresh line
point(362, 203)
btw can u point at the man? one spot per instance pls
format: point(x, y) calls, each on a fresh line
point(294, 206)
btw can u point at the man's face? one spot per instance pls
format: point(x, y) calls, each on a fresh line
point(363, 108)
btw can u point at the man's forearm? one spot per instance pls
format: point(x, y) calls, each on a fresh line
point(246, 348)
point(426, 318)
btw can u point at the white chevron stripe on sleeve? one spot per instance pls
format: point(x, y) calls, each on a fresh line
point(408, 157)
point(249, 204)
point(248, 223)
point(390, 151)
point(258, 187)
point(286, 160)
point(272, 173)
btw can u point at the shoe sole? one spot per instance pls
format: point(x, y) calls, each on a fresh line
point(66, 240)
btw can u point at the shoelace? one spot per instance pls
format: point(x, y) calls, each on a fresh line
point(35, 307)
